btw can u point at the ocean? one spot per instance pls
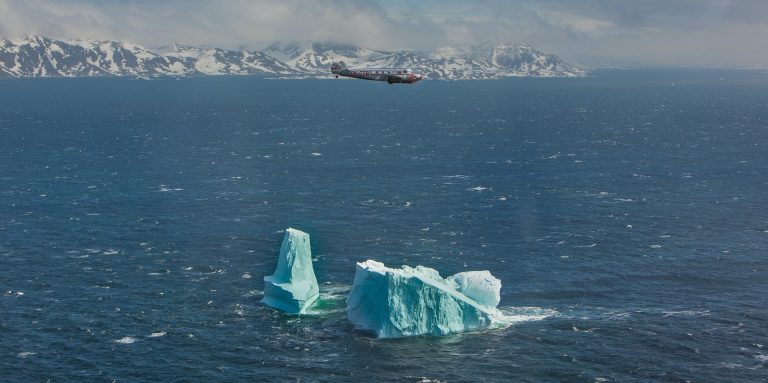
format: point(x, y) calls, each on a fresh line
point(626, 215)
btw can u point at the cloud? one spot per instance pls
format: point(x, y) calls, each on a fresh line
point(229, 23)
point(648, 32)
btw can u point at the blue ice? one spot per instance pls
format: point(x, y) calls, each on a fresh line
point(293, 287)
point(408, 301)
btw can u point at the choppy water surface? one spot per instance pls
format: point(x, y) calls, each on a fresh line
point(626, 215)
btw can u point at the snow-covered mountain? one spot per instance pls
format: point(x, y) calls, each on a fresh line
point(220, 61)
point(43, 57)
point(482, 61)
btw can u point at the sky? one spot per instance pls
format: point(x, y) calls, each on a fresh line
point(634, 33)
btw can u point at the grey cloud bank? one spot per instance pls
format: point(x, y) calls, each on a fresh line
point(703, 33)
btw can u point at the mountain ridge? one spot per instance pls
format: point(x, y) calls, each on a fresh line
point(38, 56)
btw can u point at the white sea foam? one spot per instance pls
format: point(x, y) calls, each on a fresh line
point(125, 340)
point(157, 334)
point(25, 354)
point(478, 188)
point(254, 293)
point(515, 315)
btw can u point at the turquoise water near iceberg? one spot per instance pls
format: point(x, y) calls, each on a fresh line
point(625, 215)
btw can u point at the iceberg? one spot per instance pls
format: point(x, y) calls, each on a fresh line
point(293, 287)
point(410, 301)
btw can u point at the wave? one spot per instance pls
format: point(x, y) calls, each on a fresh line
point(125, 340)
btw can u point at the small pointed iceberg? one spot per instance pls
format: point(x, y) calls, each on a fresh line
point(293, 287)
point(409, 301)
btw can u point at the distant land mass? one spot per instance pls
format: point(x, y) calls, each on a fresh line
point(38, 56)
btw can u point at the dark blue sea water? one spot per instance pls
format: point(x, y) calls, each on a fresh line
point(626, 215)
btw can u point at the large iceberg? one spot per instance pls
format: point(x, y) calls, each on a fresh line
point(293, 287)
point(417, 301)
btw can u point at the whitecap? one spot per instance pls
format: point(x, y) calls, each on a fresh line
point(317, 154)
point(157, 334)
point(655, 246)
point(685, 313)
point(246, 276)
point(125, 340)
point(166, 188)
point(478, 188)
point(25, 354)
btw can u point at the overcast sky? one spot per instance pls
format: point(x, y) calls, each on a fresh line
point(724, 33)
